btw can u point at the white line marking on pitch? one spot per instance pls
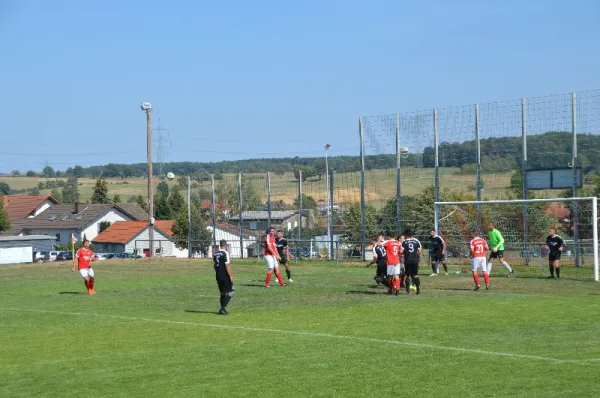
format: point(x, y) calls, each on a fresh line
point(317, 334)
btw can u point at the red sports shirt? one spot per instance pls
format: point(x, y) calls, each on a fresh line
point(479, 247)
point(84, 256)
point(392, 250)
point(269, 244)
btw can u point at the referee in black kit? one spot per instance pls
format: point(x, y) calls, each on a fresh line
point(224, 276)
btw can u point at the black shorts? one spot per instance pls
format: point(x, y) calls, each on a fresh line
point(498, 254)
point(553, 256)
point(411, 268)
point(225, 285)
point(382, 270)
point(284, 259)
point(437, 257)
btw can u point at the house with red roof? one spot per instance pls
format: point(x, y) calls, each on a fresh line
point(134, 237)
point(26, 206)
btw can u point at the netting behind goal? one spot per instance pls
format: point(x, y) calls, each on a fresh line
point(525, 225)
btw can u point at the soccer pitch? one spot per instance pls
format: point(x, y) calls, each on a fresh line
point(152, 330)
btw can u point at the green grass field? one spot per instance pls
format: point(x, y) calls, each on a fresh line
point(152, 331)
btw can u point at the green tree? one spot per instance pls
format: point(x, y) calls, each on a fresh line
point(176, 201)
point(30, 173)
point(116, 198)
point(34, 191)
point(100, 193)
point(308, 202)
point(227, 195)
point(48, 172)
point(5, 189)
point(307, 172)
point(4, 220)
point(352, 223)
point(41, 185)
point(200, 235)
point(163, 189)
point(15, 173)
point(103, 225)
point(70, 192)
point(162, 210)
point(56, 194)
point(140, 200)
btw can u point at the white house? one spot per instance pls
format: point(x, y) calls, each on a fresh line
point(78, 220)
point(237, 243)
point(133, 237)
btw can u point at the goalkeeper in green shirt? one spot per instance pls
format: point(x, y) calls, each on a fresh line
point(497, 246)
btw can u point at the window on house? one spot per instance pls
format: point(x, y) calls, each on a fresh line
point(253, 225)
point(289, 225)
point(295, 224)
point(58, 237)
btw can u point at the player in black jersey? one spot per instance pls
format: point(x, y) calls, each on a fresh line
point(224, 276)
point(284, 252)
point(556, 244)
point(437, 250)
point(379, 258)
point(411, 250)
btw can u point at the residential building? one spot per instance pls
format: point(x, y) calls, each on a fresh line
point(280, 219)
point(245, 243)
point(26, 206)
point(134, 237)
point(65, 220)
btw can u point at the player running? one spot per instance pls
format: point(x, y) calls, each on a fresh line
point(84, 256)
point(379, 258)
point(411, 250)
point(392, 250)
point(497, 245)
point(437, 250)
point(223, 276)
point(284, 252)
point(556, 244)
point(271, 257)
point(479, 248)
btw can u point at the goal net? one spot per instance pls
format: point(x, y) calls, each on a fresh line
point(525, 225)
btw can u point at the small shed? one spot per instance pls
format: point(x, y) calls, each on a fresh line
point(20, 249)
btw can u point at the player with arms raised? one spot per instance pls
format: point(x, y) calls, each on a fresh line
point(392, 250)
point(479, 248)
point(84, 256)
point(271, 257)
point(497, 245)
point(556, 244)
point(411, 250)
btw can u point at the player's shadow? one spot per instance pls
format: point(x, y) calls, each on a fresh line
point(456, 289)
point(366, 292)
point(252, 284)
point(73, 293)
point(202, 312)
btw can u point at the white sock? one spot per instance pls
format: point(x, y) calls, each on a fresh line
point(489, 268)
point(507, 266)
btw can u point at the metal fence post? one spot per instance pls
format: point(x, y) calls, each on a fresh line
point(362, 188)
point(214, 212)
point(240, 211)
point(268, 199)
point(189, 218)
point(436, 179)
point(574, 165)
point(299, 214)
point(330, 214)
point(398, 179)
point(478, 182)
point(524, 178)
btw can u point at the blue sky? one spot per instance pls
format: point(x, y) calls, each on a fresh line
point(240, 79)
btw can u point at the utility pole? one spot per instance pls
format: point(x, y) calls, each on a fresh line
point(147, 107)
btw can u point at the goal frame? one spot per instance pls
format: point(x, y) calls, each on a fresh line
point(592, 199)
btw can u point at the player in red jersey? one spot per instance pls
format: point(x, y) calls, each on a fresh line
point(271, 257)
point(479, 248)
point(392, 250)
point(84, 256)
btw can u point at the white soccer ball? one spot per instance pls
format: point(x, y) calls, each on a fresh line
point(170, 175)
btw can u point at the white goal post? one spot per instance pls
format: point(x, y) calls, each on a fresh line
point(524, 224)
